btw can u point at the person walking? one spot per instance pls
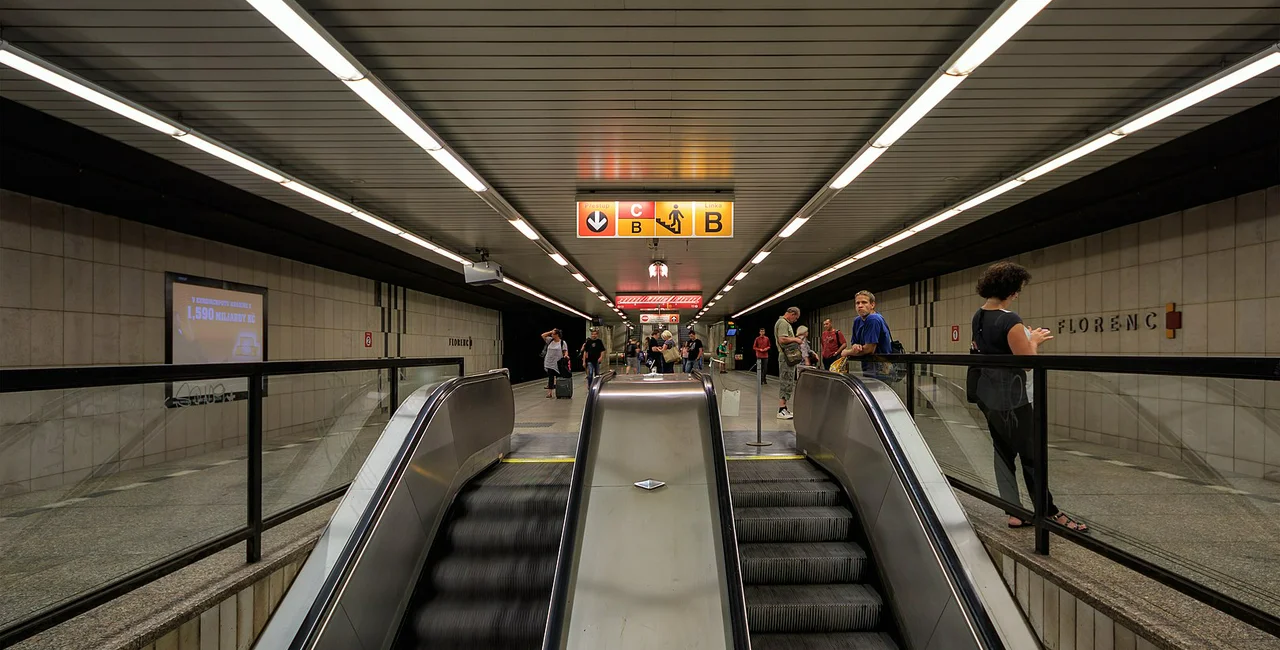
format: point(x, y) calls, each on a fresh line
point(788, 345)
point(831, 342)
point(693, 358)
point(762, 347)
point(592, 352)
point(632, 355)
point(870, 334)
point(555, 350)
point(722, 355)
point(1002, 392)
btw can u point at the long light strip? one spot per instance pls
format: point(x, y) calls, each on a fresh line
point(543, 297)
point(56, 76)
point(1264, 61)
point(291, 19)
point(1003, 24)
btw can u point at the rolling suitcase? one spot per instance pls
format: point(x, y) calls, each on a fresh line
point(564, 387)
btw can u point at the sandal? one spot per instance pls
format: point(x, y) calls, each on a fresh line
point(1021, 523)
point(1064, 519)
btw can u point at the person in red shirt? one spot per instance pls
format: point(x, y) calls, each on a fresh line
point(832, 343)
point(762, 347)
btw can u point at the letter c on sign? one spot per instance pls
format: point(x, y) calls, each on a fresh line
point(636, 210)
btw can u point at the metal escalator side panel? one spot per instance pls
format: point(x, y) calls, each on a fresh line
point(361, 574)
point(945, 591)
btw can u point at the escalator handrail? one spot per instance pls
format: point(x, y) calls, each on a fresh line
point(553, 635)
point(728, 530)
point(967, 597)
point(308, 630)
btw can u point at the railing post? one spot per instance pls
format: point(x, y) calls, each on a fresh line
point(1040, 383)
point(395, 389)
point(911, 389)
point(253, 546)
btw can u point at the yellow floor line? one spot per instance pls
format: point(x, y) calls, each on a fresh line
point(779, 457)
point(537, 460)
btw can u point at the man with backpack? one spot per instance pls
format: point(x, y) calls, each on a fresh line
point(870, 335)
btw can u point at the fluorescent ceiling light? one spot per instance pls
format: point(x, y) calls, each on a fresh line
point(51, 75)
point(602, 298)
point(231, 157)
point(896, 238)
point(433, 248)
point(859, 165)
point(793, 227)
point(559, 259)
point(760, 257)
point(719, 296)
point(936, 220)
point(299, 30)
point(727, 288)
point(543, 297)
point(593, 290)
point(1195, 95)
point(524, 228)
point(741, 275)
point(458, 170)
point(579, 277)
point(1070, 156)
point(392, 110)
point(996, 35)
point(989, 194)
point(374, 221)
point(711, 304)
point(317, 195)
point(866, 252)
point(935, 93)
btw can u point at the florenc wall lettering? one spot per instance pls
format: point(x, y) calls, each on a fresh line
point(1125, 322)
point(460, 343)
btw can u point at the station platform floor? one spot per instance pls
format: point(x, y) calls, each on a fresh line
point(1222, 529)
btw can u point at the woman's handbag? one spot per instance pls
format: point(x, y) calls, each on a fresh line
point(670, 355)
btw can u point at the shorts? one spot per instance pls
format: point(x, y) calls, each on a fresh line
point(787, 377)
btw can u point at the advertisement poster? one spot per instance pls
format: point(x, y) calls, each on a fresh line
point(212, 321)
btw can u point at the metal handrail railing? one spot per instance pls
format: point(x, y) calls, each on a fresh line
point(37, 379)
point(1252, 368)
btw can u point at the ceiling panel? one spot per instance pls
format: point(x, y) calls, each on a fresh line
point(551, 98)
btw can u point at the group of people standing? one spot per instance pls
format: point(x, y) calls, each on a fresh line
point(660, 353)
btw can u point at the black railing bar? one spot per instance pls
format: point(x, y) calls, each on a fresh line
point(557, 609)
point(976, 492)
point(966, 596)
point(32, 379)
point(319, 610)
point(299, 509)
point(59, 614)
point(728, 527)
point(1259, 368)
point(1254, 616)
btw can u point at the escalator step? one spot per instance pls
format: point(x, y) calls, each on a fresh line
point(774, 471)
point(505, 624)
point(813, 608)
point(525, 475)
point(810, 563)
point(817, 524)
point(523, 500)
point(838, 641)
point(491, 577)
point(526, 535)
point(786, 494)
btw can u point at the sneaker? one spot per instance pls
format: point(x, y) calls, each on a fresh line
point(784, 414)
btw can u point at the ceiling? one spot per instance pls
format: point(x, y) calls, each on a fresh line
point(550, 99)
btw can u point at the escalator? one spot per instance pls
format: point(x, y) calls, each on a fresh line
point(809, 582)
point(488, 578)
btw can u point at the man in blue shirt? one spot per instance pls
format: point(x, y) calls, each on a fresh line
point(870, 333)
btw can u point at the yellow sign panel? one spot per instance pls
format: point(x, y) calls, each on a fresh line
point(713, 219)
point(628, 227)
point(674, 219)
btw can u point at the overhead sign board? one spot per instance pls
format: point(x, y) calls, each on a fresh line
point(674, 219)
point(659, 301)
point(660, 319)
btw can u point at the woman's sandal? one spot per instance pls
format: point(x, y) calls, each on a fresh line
point(1066, 520)
point(1021, 523)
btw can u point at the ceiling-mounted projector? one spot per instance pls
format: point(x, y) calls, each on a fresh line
point(482, 273)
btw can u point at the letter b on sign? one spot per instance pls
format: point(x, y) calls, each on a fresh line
point(713, 219)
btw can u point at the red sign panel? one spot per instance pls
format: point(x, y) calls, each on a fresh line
point(597, 218)
point(660, 301)
point(368, 339)
point(955, 333)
